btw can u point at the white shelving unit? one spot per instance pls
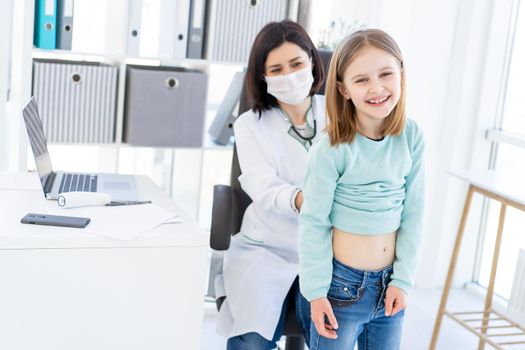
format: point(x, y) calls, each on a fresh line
point(168, 167)
point(122, 61)
point(186, 174)
point(166, 164)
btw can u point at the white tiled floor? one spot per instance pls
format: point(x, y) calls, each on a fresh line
point(418, 326)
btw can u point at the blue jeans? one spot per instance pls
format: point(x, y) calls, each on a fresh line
point(357, 298)
point(254, 341)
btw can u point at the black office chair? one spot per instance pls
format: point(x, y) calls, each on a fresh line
point(229, 205)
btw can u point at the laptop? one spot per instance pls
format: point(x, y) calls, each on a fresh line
point(119, 187)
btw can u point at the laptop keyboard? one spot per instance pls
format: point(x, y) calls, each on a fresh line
point(78, 183)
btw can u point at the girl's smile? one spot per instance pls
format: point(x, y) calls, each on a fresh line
point(378, 102)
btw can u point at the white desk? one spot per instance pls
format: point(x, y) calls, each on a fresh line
point(61, 288)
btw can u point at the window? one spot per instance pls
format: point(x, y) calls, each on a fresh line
point(514, 110)
point(508, 158)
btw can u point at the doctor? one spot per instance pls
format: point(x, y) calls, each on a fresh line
point(273, 138)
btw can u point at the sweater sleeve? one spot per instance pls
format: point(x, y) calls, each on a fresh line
point(259, 179)
point(410, 230)
point(315, 227)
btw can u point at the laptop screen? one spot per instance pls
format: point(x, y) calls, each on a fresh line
point(37, 139)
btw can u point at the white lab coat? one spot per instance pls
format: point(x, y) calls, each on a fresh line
point(262, 261)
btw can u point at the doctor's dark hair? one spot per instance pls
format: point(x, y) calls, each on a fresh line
point(271, 36)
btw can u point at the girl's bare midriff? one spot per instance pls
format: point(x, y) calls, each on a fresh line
point(362, 252)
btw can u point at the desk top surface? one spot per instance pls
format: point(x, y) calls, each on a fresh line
point(16, 202)
point(505, 185)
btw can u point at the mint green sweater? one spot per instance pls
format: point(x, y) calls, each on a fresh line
point(366, 187)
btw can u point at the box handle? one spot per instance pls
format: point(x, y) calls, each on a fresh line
point(76, 78)
point(171, 83)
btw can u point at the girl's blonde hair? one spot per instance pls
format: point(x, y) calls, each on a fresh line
point(342, 122)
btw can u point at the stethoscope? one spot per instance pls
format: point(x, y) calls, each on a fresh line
point(304, 138)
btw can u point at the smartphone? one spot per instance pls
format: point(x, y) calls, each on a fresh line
point(55, 220)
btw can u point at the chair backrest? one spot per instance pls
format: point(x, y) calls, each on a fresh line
point(229, 205)
point(240, 199)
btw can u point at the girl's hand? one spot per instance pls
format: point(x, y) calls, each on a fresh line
point(395, 300)
point(319, 308)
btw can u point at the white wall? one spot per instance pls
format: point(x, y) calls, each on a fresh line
point(5, 61)
point(21, 61)
point(450, 128)
point(455, 130)
point(444, 43)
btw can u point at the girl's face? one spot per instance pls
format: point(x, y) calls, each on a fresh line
point(285, 59)
point(373, 82)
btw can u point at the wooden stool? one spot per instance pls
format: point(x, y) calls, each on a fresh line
point(494, 186)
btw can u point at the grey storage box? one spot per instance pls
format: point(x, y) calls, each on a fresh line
point(76, 100)
point(165, 106)
point(232, 26)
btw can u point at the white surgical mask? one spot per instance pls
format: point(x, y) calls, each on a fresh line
point(291, 88)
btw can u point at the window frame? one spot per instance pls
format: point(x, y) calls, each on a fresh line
point(508, 14)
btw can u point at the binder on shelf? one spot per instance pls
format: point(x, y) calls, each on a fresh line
point(221, 129)
point(45, 24)
point(182, 19)
point(77, 100)
point(174, 22)
point(64, 24)
point(133, 33)
point(164, 106)
point(233, 25)
point(196, 29)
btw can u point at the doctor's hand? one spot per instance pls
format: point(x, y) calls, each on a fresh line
point(395, 300)
point(322, 310)
point(299, 200)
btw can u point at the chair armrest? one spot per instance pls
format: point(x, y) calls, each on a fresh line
point(221, 216)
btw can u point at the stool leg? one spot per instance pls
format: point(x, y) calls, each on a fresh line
point(451, 268)
point(490, 290)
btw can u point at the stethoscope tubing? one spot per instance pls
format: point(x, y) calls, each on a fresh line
point(309, 138)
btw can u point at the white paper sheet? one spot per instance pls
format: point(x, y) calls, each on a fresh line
point(121, 222)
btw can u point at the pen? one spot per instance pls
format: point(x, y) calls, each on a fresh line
point(112, 204)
